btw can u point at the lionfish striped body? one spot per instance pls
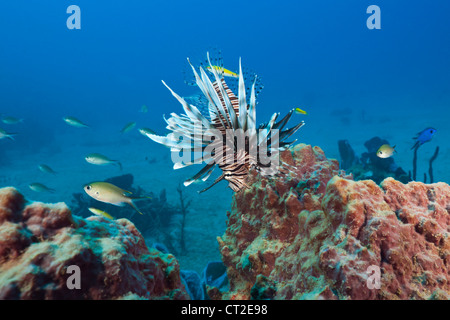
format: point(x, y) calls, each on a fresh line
point(231, 119)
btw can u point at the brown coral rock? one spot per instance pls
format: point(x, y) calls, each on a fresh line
point(316, 234)
point(38, 242)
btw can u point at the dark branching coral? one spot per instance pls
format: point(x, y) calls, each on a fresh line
point(430, 167)
point(183, 210)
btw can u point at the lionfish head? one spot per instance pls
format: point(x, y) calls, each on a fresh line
point(225, 135)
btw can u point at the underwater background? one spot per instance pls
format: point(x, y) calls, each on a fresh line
point(354, 83)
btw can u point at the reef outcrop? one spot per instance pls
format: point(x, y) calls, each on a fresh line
point(44, 248)
point(317, 234)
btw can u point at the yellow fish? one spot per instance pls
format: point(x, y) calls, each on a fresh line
point(225, 72)
point(300, 111)
point(101, 213)
point(385, 151)
point(109, 193)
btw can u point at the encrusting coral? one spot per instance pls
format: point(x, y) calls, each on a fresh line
point(39, 242)
point(317, 234)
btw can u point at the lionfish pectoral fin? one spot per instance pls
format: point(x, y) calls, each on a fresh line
point(199, 174)
point(178, 165)
point(287, 166)
point(187, 183)
point(214, 183)
point(208, 174)
point(289, 132)
point(286, 145)
point(280, 124)
point(246, 185)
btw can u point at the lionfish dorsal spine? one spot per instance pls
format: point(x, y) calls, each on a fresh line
point(251, 118)
point(233, 102)
point(202, 82)
point(216, 104)
point(192, 113)
point(264, 135)
point(230, 112)
point(242, 100)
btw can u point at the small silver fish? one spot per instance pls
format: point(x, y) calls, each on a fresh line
point(128, 127)
point(4, 135)
point(11, 120)
point(46, 169)
point(39, 187)
point(74, 122)
point(101, 160)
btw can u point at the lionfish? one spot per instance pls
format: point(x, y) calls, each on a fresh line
point(227, 136)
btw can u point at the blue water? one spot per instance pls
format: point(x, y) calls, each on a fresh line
point(354, 82)
point(308, 53)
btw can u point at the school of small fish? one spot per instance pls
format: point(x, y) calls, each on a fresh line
point(100, 191)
